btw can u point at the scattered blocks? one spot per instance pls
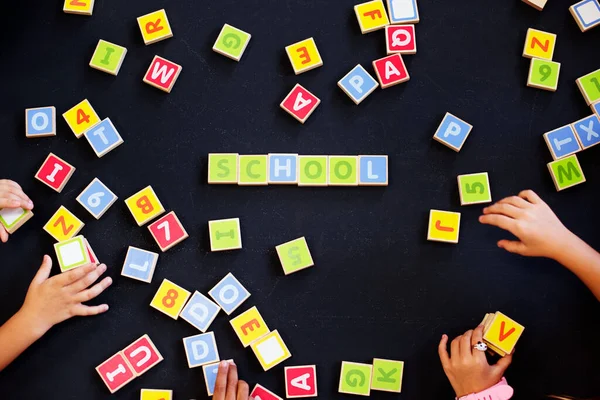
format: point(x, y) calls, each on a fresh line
point(200, 312)
point(71, 253)
point(142, 355)
point(543, 74)
point(260, 392)
point(358, 84)
point(249, 326)
point(400, 39)
point(313, 170)
point(300, 381)
point(586, 14)
point(81, 117)
point(300, 103)
point(474, 189)
point(294, 256)
point(139, 264)
point(562, 142)
point(453, 132)
point(55, 172)
point(63, 225)
point(283, 169)
point(391, 70)
point(371, 16)
point(115, 372)
point(210, 377)
point(253, 170)
point(501, 332)
point(162, 74)
point(108, 57)
point(343, 171)
point(270, 350)
point(96, 198)
point(170, 299)
point(355, 378)
point(444, 226)
point(144, 206)
point(229, 294)
point(387, 375)
point(225, 234)
point(587, 131)
point(566, 172)
point(168, 231)
point(539, 44)
point(403, 11)
point(155, 27)
point(223, 168)
point(373, 170)
point(201, 349)
point(232, 42)
point(40, 122)
point(81, 7)
point(304, 55)
point(14, 218)
point(589, 85)
point(103, 138)
point(156, 394)
point(537, 4)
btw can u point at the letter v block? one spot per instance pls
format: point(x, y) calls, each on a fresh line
point(300, 103)
point(162, 74)
point(503, 333)
point(300, 381)
point(142, 355)
point(249, 326)
point(387, 375)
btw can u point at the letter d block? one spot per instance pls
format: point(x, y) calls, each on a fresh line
point(249, 326)
point(201, 349)
point(232, 42)
point(453, 132)
point(355, 378)
point(223, 168)
point(200, 312)
point(144, 206)
point(387, 375)
point(294, 256)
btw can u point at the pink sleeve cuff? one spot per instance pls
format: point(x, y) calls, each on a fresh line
point(500, 391)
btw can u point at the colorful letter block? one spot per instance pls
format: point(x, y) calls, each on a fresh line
point(96, 198)
point(262, 393)
point(253, 170)
point(562, 142)
point(387, 375)
point(283, 169)
point(14, 218)
point(162, 74)
point(81, 117)
point(588, 131)
point(108, 57)
point(103, 138)
point(586, 14)
point(358, 84)
point(142, 355)
point(225, 234)
point(400, 39)
point(294, 256)
point(343, 171)
point(168, 231)
point(71, 253)
point(40, 122)
point(63, 225)
point(543, 74)
point(210, 377)
point(200, 312)
point(139, 264)
point(270, 350)
point(391, 70)
point(55, 172)
point(115, 372)
point(300, 381)
point(453, 132)
point(537, 4)
point(589, 85)
point(444, 226)
point(223, 168)
point(232, 42)
point(503, 333)
point(371, 16)
point(313, 170)
point(156, 394)
point(403, 11)
point(304, 55)
point(155, 27)
point(81, 7)
point(566, 172)
point(373, 170)
point(474, 189)
point(170, 299)
point(229, 294)
point(300, 103)
point(144, 206)
point(539, 44)
point(201, 349)
point(355, 378)
point(249, 326)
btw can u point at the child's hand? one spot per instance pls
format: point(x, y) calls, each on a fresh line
point(227, 386)
point(12, 196)
point(468, 370)
point(526, 216)
point(50, 301)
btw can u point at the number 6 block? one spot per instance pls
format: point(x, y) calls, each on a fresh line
point(474, 189)
point(170, 299)
point(168, 231)
point(96, 198)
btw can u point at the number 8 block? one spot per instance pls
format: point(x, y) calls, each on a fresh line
point(170, 299)
point(96, 198)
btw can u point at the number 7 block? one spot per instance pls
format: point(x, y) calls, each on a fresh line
point(444, 226)
point(55, 172)
point(474, 189)
point(168, 231)
point(170, 299)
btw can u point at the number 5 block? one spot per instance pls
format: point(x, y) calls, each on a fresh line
point(81, 117)
point(474, 189)
point(543, 74)
point(144, 205)
point(170, 299)
point(294, 256)
point(444, 226)
point(55, 172)
point(96, 198)
point(168, 231)
point(249, 326)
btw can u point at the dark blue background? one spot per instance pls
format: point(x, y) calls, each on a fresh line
point(378, 289)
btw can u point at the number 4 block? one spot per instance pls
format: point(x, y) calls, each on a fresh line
point(294, 256)
point(81, 117)
point(566, 172)
point(168, 231)
point(170, 299)
point(474, 189)
point(55, 172)
point(501, 332)
point(543, 74)
point(444, 226)
point(96, 198)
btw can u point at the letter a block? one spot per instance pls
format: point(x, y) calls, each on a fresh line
point(300, 103)
point(253, 170)
point(474, 189)
point(142, 355)
point(108, 57)
point(373, 170)
point(170, 299)
point(400, 39)
point(223, 168)
point(586, 14)
point(371, 16)
point(294, 256)
point(539, 44)
point(103, 138)
point(355, 378)
point(387, 375)
point(40, 122)
point(444, 226)
point(588, 131)
point(63, 225)
point(300, 381)
point(144, 206)
point(14, 218)
point(155, 27)
point(403, 11)
point(168, 231)
point(313, 170)
point(503, 333)
point(249, 326)
point(566, 172)
point(358, 84)
point(391, 70)
point(81, 7)
point(55, 172)
point(201, 349)
point(72, 253)
point(270, 350)
point(96, 198)
point(162, 74)
point(343, 171)
point(453, 132)
point(139, 264)
point(156, 394)
point(81, 117)
point(304, 56)
point(115, 372)
point(262, 393)
point(229, 294)
point(232, 42)
point(562, 142)
point(589, 85)
point(225, 234)
point(200, 312)
point(283, 169)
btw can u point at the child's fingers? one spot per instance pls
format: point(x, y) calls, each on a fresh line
point(500, 221)
point(455, 348)
point(67, 278)
point(221, 381)
point(94, 291)
point(443, 352)
point(232, 382)
point(9, 183)
point(476, 338)
point(513, 246)
point(85, 281)
point(516, 201)
point(242, 391)
point(16, 191)
point(81, 310)
point(3, 234)
point(504, 209)
point(531, 196)
point(9, 200)
point(466, 350)
point(44, 271)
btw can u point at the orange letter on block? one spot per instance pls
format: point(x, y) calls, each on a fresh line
point(249, 326)
point(304, 54)
point(63, 225)
point(145, 205)
point(544, 47)
point(373, 14)
point(153, 27)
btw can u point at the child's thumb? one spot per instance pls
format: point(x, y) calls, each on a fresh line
point(503, 364)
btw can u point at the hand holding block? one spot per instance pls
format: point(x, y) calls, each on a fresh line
point(210, 377)
point(343, 171)
point(81, 117)
point(371, 16)
point(81, 7)
point(304, 55)
point(403, 11)
point(108, 57)
point(355, 378)
point(254, 170)
point(453, 132)
point(400, 39)
point(72, 253)
point(543, 74)
point(301, 381)
point(474, 189)
point(144, 205)
point(170, 299)
point(262, 393)
point(229, 294)
point(139, 264)
point(223, 168)
point(156, 394)
point(63, 225)
point(14, 218)
point(391, 70)
point(300, 103)
point(294, 256)
point(586, 14)
point(232, 42)
point(283, 169)
point(225, 234)
point(162, 74)
point(588, 131)
point(562, 142)
point(249, 326)
point(200, 312)
point(40, 122)
point(201, 349)
point(168, 231)
point(270, 350)
point(142, 355)
point(155, 27)
point(566, 172)
point(373, 170)
point(503, 333)
point(96, 198)
point(313, 170)
point(55, 172)
point(115, 372)
point(539, 44)
point(444, 226)
point(358, 84)
point(103, 138)
point(387, 375)
point(589, 85)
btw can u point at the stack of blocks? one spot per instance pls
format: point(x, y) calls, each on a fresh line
point(382, 375)
point(501, 333)
point(543, 72)
point(74, 253)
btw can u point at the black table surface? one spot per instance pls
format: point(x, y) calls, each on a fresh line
point(378, 289)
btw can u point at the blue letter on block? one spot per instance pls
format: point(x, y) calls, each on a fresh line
point(283, 168)
point(97, 198)
point(563, 142)
point(588, 131)
point(200, 312)
point(103, 137)
point(201, 349)
point(210, 374)
point(40, 121)
point(358, 84)
point(453, 131)
point(139, 264)
point(229, 293)
point(373, 170)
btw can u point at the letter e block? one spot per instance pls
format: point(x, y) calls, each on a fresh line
point(249, 326)
point(304, 55)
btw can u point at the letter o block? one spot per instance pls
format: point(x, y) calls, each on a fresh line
point(144, 206)
point(229, 294)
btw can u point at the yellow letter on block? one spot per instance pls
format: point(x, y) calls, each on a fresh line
point(249, 326)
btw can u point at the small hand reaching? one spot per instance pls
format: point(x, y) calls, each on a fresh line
point(12, 196)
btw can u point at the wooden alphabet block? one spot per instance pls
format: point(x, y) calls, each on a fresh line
point(81, 117)
point(80, 7)
point(403, 11)
point(400, 39)
point(225, 234)
point(371, 16)
point(474, 189)
point(223, 168)
point(586, 14)
point(253, 170)
point(108, 57)
point(142, 355)
point(387, 375)
point(144, 206)
point(200, 312)
point(63, 225)
point(229, 294)
point(589, 85)
point(503, 333)
point(262, 393)
point(72, 253)
point(543, 74)
point(358, 84)
point(270, 350)
point(391, 70)
point(115, 372)
point(162, 74)
point(14, 218)
point(232, 42)
point(444, 226)
point(139, 264)
point(168, 231)
point(170, 299)
point(453, 132)
point(301, 381)
point(210, 376)
point(596, 108)
point(343, 171)
point(562, 142)
point(539, 44)
point(566, 172)
point(537, 4)
point(300, 103)
point(355, 378)
point(283, 169)
point(155, 26)
point(156, 394)
point(103, 138)
point(294, 256)
point(249, 326)
point(55, 172)
point(40, 122)
point(313, 170)
point(373, 170)
point(304, 55)
point(96, 198)
point(201, 349)
point(588, 131)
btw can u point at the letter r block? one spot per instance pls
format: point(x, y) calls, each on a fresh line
point(155, 27)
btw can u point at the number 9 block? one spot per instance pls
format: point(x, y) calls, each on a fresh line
point(543, 74)
point(170, 299)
